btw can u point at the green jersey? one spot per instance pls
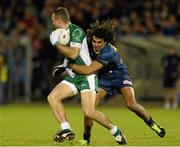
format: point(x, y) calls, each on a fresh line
point(76, 81)
point(78, 39)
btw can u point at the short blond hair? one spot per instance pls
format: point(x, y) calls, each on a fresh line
point(63, 13)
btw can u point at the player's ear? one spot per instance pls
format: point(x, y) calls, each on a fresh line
point(58, 21)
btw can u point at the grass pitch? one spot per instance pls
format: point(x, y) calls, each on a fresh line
point(34, 125)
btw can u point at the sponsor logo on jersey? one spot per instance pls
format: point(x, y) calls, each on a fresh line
point(127, 82)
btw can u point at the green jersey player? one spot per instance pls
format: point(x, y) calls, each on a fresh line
point(76, 52)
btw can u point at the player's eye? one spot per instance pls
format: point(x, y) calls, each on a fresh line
point(99, 42)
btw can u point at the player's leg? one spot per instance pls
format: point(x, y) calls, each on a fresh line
point(60, 92)
point(88, 122)
point(130, 101)
point(175, 99)
point(88, 106)
point(169, 92)
point(168, 98)
point(171, 100)
point(99, 95)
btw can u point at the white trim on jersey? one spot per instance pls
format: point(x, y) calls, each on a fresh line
point(84, 52)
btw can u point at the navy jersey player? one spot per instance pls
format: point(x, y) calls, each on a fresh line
point(112, 74)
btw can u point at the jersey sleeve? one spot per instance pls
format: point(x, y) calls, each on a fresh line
point(77, 38)
point(101, 58)
point(107, 59)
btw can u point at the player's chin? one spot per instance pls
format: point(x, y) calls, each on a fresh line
point(96, 50)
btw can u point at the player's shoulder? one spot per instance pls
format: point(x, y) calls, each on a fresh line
point(108, 48)
point(108, 52)
point(105, 52)
point(76, 29)
point(76, 33)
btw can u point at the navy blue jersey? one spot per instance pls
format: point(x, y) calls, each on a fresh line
point(113, 65)
point(114, 73)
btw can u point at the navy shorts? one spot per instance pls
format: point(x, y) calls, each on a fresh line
point(110, 85)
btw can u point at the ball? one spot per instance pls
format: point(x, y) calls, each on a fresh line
point(64, 36)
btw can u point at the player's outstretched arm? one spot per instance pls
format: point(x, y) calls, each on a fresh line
point(86, 70)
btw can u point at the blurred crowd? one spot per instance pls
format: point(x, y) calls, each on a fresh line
point(25, 26)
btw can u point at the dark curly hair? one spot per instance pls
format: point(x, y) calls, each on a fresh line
point(103, 30)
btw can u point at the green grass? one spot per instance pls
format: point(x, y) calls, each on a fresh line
point(34, 124)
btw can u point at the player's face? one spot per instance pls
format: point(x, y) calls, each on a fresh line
point(97, 44)
point(56, 22)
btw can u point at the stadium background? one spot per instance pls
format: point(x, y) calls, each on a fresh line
point(144, 30)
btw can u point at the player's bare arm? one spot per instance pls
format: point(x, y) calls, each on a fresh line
point(87, 70)
point(69, 52)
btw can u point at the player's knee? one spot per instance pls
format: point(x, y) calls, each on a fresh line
point(51, 99)
point(89, 113)
point(131, 105)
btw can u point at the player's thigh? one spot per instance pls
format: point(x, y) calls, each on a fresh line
point(61, 91)
point(88, 100)
point(128, 95)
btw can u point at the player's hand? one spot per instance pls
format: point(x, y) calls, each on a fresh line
point(54, 37)
point(58, 70)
